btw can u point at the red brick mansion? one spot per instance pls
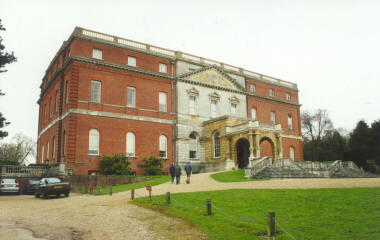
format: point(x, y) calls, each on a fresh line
point(103, 95)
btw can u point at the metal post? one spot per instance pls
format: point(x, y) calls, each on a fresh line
point(100, 190)
point(111, 189)
point(271, 224)
point(133, 194)
point(208, 207)
point(168, 198)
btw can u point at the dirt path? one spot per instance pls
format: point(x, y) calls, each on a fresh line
point(111, 217)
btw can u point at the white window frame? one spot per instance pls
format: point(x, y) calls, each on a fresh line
point(290, 121)
point(213, 108)
point(130, 144)
point(234, 107)
point(288, 97)
point(132, 61)
point(163, 68)
point(131, 97)
point(162, 102)
point(252, 88)
point(192, 100)
point(42, 154)
point(93, 93)
point(292, 153)
point(216, 140)
point(271, 92)
point(253, 113)
point(93, 142)
point(193, 145)
point(97, 53)
point(273, 117)
point(163, 146)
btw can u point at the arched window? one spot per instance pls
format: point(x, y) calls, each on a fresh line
point(130, 144)
point(193, 143)
point(93, 142)
point(291, 155)
point(216, 145)
point(163, 146)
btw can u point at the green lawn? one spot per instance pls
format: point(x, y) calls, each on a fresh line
point(232, 176)
point(323, 214)
point(125, 187)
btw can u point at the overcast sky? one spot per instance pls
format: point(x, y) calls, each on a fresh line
point(329, 48)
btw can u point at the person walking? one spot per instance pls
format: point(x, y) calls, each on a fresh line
point(188, 169)
point(178, 171)
point(172, 172)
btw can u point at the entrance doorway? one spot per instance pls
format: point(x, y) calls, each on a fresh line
point(242, 150)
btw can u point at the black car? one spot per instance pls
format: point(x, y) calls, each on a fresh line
point(52, 186)
point(31, 186)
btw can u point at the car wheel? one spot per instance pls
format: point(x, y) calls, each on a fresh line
point(67, 194)
point(44, 195)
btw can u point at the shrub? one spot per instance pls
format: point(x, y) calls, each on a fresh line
point(153, 166)
point(117, 164)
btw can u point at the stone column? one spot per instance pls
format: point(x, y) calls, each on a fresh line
point(279, 145)
point(230, 163)
point(257, 144)
point(251, 148)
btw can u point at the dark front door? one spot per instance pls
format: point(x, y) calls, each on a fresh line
point(242, 149)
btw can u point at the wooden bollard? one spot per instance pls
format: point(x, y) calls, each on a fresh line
point(208, 207)
point(111, 189)
point(168, 198)
point(133, 194)
point(271, 224)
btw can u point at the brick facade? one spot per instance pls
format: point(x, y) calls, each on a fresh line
point(67, 113)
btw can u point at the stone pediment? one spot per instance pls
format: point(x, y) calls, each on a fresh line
point(212, 76)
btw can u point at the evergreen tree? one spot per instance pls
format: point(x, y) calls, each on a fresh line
point(359, 144)
point(5, 58)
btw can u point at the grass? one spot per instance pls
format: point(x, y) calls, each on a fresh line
point(126, 187)
point(322, 214)
point(232, 176)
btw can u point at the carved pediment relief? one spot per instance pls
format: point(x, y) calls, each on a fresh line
point(192, 92)
point(212, 76)
point(234, 99)
point(214, 96)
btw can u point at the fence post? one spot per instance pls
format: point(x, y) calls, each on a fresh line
point(133, 194)
point(111, 189)
point(271, 224)
point(208, 206)
point(168, 198)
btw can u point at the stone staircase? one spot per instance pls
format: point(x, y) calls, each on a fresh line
point(287, 168)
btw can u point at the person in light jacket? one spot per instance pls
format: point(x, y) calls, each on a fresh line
point(188, 169)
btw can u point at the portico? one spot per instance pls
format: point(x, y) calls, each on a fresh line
point(241, 141)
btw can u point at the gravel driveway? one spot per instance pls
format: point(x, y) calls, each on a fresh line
point(111, 217)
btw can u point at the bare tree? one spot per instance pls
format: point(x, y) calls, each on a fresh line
point(17, 153)
point(315, 125)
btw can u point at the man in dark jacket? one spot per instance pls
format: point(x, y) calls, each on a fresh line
point(178, 171)
point(172, 172)
point(188, 169)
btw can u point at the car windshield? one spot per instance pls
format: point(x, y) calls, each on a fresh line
point(8, 181)
point(53, 180)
